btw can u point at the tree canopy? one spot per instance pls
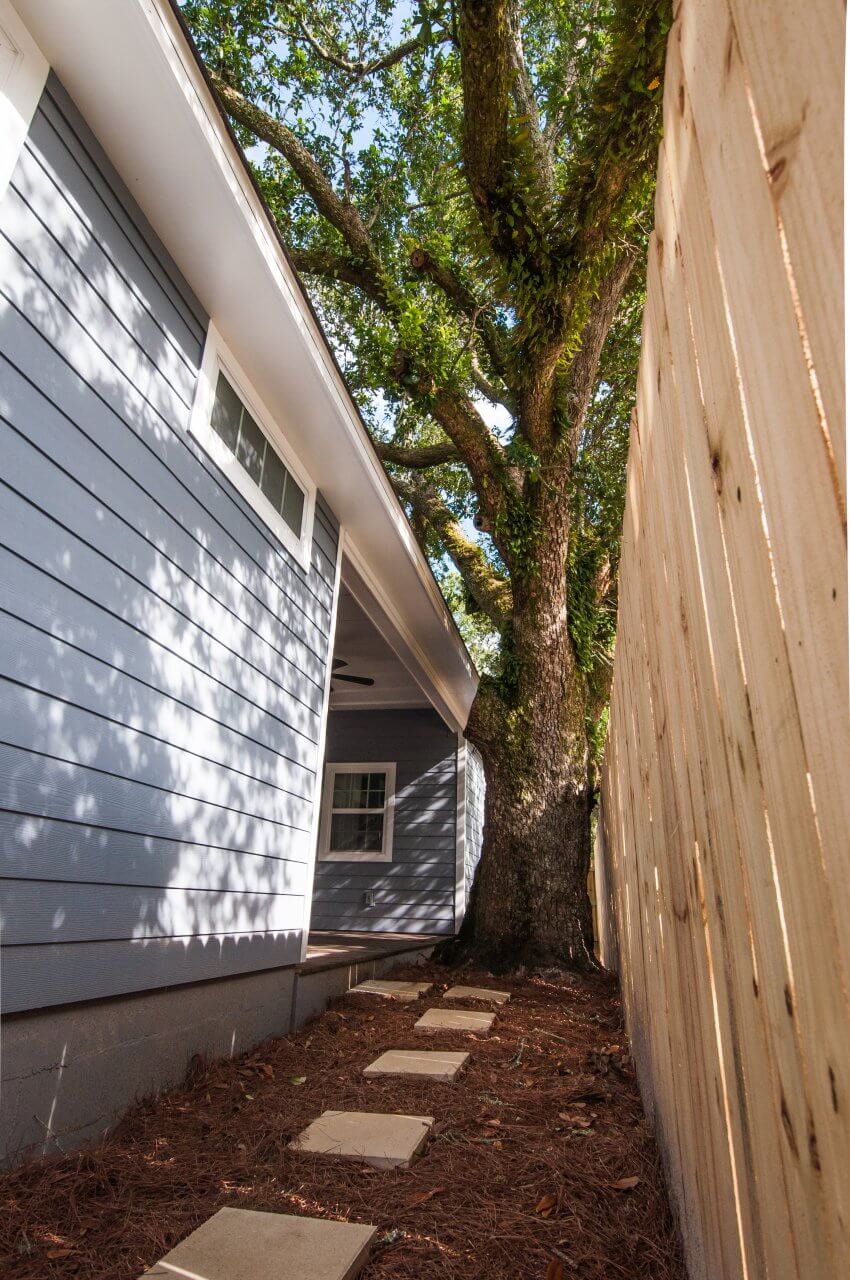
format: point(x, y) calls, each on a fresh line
point(466, 188)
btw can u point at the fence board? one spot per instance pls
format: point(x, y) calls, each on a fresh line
point(725, 794)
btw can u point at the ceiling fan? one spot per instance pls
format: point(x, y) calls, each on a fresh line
point(338, 663)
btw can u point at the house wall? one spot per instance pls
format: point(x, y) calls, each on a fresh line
point(473, 814)
point(415, 892)
point(69, 1074)
point(162, 657)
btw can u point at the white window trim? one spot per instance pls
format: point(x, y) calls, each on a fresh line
point(360, 855)
point(23, 73)
point(219, 358)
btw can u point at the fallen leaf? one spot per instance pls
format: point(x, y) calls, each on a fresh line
point(493, 1123)
point(422, 1196)
point(59, 1253)
point(624, 1184)
point(267, 1070)
point(653, 84)
point(581, 1122)
point(545, 1206)
point(555, 1270)
point(297, 1079)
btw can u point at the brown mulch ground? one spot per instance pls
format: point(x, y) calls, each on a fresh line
point(520, 1179)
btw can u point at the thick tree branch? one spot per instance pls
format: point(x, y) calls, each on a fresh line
point(490, 591)
point(616, 147)
point(583, 372)
point(481, 451)
point(488, 389)
point(419, 457)
point(526, 105)
point(464, 301)
point(499, 176)
point(339, 213)
point(335, 266)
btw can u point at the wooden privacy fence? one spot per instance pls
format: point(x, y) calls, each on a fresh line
point(724, 868)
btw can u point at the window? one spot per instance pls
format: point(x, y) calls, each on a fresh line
point(357, 813)
point(233, 424)
point(247, 444)
point(23, 72)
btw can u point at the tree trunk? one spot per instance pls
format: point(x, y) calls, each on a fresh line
point(529, 903)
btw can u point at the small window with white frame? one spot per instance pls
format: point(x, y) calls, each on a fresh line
point(244, 440)
point(23, 74)
point(357, 813)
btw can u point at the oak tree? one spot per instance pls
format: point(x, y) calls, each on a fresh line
point(466, 186)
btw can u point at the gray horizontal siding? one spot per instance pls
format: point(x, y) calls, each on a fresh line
point(117, 968)
point(43, 786)
point(34, 848)
point(415, 892)
point(162, 656)
point(41, 912)
point(474, 813)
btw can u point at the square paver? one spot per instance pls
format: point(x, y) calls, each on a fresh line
point(433, 1064)
point(455, 1020)
point(384, 1141)
point(243, 1244)
point(405, 991)
point(477, 993)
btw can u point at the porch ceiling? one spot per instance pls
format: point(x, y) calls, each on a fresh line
point(359, 644)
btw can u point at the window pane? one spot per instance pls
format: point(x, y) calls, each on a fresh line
point(342, 791)
point(251, 447)
point(233, 423)
point(227, 410)
point(293, 505)
point(357, 832)
point(377, 791)
point(274, 478)
point(348, 791)
point(357, 791)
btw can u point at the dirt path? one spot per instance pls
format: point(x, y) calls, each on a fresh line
point(519, 1180)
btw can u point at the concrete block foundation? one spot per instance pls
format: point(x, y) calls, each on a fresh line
point(68, 1073)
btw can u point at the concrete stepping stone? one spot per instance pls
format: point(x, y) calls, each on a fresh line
point(431, 1064)
point(391, 990)
point(477, 993)
point(384, 1141)
point(455, 1020)
point(243, 1244)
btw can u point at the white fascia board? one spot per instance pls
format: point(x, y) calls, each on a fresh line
point(135, 79)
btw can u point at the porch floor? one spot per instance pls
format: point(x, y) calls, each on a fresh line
point(331, 949)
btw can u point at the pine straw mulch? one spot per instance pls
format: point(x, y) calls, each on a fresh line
point(524, 1176)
